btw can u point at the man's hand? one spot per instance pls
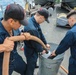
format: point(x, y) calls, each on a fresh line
point(48, 46)
point(27, 35)
point(53, 53)
point(43, 52)
point(8, 45)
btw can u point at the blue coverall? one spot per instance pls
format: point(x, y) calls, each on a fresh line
point(31, 47)
point(69, 41)
point(16, 62)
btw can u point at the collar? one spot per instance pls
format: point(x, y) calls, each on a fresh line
point(3, 27)
point(33, 19)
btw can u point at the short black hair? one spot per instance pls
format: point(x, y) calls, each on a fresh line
point(72, 12)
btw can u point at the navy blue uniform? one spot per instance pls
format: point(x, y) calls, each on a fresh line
point(69, 41)
point(16, 62)
point(31, 47)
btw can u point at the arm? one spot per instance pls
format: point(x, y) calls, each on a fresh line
point(64, 44)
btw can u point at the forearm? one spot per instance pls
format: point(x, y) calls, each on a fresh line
point(7, 47)
point(66, 42)
point(43, 39)
point(63, 46)
point(17, 38)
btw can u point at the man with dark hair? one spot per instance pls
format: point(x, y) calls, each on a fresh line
point(69, 41)
point(14, 16)
point(31, 47)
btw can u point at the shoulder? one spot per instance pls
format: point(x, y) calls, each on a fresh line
point(30, 26)
point(69, 32)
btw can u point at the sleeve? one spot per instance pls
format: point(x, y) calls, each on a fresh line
point(65, 43)
point(42, 36)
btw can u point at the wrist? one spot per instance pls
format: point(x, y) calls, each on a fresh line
point(56, 53)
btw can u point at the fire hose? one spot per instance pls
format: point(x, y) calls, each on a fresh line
point(5, 67)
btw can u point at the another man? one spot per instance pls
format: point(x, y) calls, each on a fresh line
point(31, 47)
point(69, 41)
point(14, 16)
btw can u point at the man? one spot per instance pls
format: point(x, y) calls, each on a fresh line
point(14, 16)
point(31, 47)
point(69, 41)
point(7, 45)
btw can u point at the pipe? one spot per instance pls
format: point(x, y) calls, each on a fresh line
point(63, 69)
point(5, 67)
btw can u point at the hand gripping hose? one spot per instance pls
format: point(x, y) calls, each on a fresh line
point(5, 67)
